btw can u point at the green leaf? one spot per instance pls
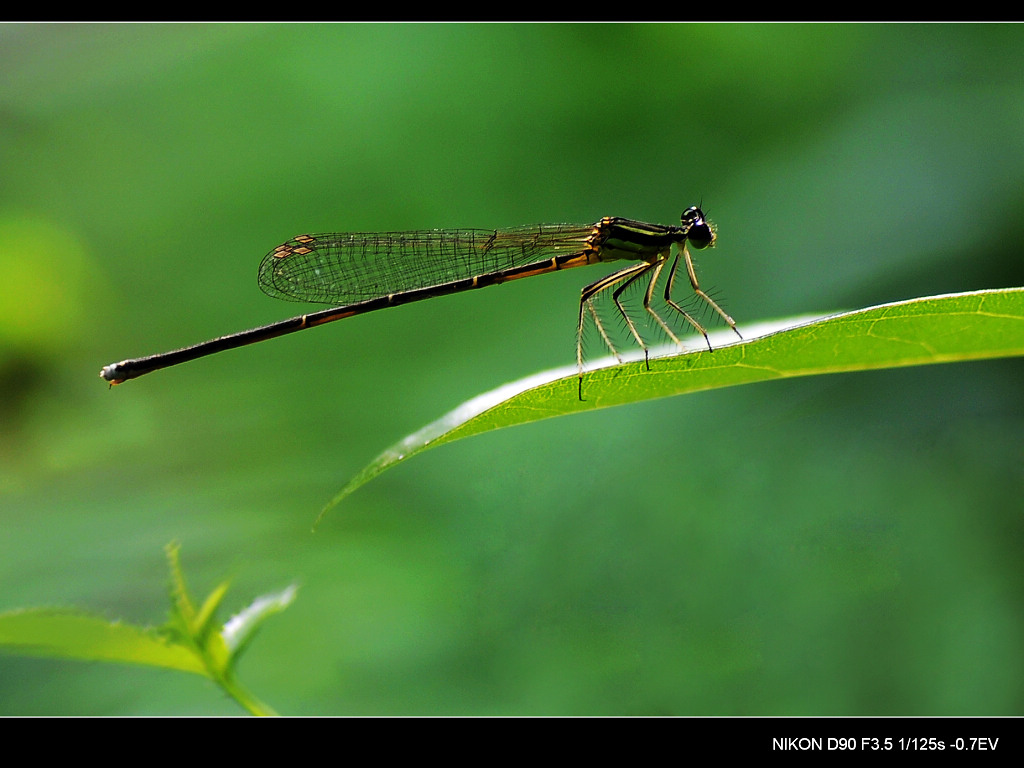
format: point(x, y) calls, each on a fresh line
point(183, 613)
point(195, 630)
point(191, 641)
point(205, 621)
point(240, 628)
point(938, 329)
point(68, 634)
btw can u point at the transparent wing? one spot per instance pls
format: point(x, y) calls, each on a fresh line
point(354, 267)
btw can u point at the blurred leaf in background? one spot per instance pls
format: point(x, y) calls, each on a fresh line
point(191, 640)
point(835, 545)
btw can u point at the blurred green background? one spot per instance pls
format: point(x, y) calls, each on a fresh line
point(836, 545)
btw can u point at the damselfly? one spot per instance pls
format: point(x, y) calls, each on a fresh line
point(365, 271)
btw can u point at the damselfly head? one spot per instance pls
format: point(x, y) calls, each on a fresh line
point(700, 232)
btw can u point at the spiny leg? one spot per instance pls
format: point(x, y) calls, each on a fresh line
point(696, 289)
point(671, 302)
point(647, 304)
point(586, 305)
point(600, 329)
point(579, 349)
point(639, 270)
point(579, 340)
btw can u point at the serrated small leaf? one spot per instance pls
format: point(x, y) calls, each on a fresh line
point(182, 611)
point(240, 628)
point(73, 635)
point(205, 619)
